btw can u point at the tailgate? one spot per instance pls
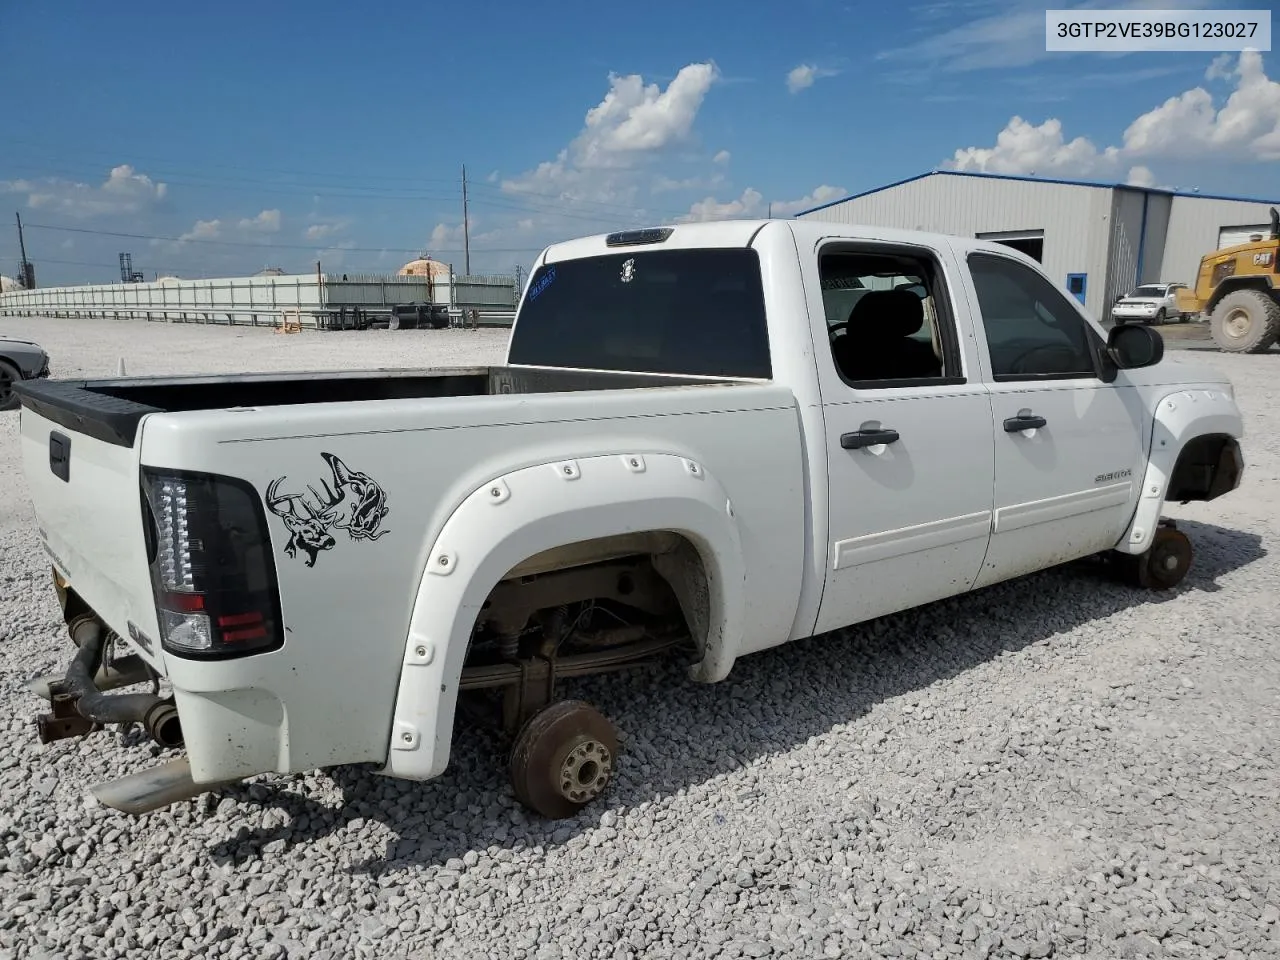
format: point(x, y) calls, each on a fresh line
point(87, 501)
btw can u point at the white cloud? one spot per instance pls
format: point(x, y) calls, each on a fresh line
point(268, 221)
point(637, 142)
point(446, 236)
point(126, 182)
point(751, 204)
point(820, 195)
point(1246, 128)
point(635, 117)
point(800, 77)
point(1141, 177)
point(994, 34)
point(663, 184)
point(1005, 37)
point(1023, 148)
point(203, 230)
point(1220, 69)
point(633, 123)
point(747, 205)
point(124, 191)
point(318, 231)
point(803, 76)
point(332, 258)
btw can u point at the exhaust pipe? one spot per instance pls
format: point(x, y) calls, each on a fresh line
point(152, 789)
point(162, 725)
point(124, 672)
point(158, 716)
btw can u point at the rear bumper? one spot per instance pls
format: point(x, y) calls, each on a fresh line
point(233, 723)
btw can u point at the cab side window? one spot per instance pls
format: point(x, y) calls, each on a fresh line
point(1032, 331)
point(885, 322)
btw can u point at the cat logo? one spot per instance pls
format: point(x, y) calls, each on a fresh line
point(1113, 475)
point(1261, 259)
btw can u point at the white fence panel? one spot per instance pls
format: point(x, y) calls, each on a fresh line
point(260, 301)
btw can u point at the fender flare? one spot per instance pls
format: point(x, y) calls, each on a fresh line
point(1179, 418)
point(519, 514)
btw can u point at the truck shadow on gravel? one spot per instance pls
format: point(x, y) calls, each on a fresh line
point(771, 703)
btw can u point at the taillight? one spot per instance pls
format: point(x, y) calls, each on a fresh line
point(212, 572)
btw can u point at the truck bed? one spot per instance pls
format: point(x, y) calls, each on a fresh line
point(423, 451)
point(110, 410)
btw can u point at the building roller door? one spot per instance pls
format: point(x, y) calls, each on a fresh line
point(1230, 236)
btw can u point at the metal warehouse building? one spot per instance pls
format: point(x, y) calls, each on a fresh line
point(1098, 240)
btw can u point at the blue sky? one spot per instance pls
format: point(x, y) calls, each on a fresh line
point(227, 137)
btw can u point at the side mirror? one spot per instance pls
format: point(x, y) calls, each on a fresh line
point(1119, 297)
point(1134, 345)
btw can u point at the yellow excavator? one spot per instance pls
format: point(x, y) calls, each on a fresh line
point(1238, 289)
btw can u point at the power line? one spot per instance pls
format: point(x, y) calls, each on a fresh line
point(351, 187)
point(81, 149)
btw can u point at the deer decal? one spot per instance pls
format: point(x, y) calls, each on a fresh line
point(353, 502)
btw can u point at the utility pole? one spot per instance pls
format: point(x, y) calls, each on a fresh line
point(28, 274)
point(21, 244)
point(466, 227)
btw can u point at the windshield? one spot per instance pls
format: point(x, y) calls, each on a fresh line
point(696, 312)
point(1148, 292)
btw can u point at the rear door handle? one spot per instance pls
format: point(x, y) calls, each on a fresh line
point(1024, 422)
point(867, 438)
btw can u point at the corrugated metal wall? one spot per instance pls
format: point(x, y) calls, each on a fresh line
point(485, 293)
point(1126, 246)
point(1158, 207)
point(1193, 231)
point(373, 291)
point(249, 300)
point(1075, 219)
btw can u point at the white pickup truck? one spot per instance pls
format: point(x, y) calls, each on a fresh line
point(706, 440)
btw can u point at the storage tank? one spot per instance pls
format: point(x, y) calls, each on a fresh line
point(425, 266)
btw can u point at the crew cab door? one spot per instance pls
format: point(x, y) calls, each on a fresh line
point(1069, 446)
point(908, 430)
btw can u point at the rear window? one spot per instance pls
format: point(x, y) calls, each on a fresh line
point(693, 312)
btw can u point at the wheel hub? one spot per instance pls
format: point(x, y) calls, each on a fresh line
point(585, 771)
point(563, 758)
point(1170, 559)
point(1236, 324)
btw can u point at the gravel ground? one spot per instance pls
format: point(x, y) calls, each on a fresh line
point(1055, 766)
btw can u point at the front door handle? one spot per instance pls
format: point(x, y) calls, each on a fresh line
point(867, 438)
point(1024, 421)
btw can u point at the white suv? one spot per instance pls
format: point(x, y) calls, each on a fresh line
point(1154, 303)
